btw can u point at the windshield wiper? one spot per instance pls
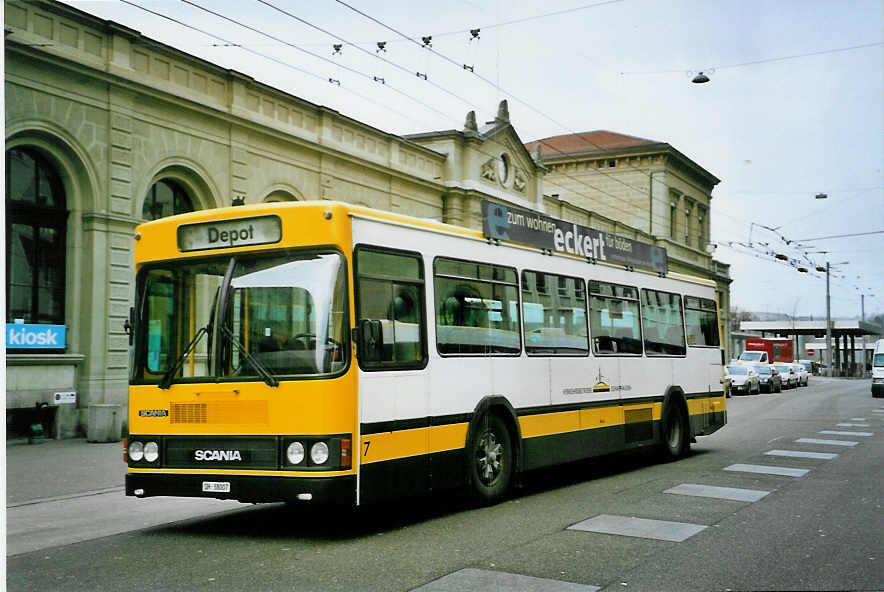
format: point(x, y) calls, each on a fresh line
point(166, 382)
point(265, 374)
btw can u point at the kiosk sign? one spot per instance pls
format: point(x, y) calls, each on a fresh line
point(34, 336)
point(532, 228)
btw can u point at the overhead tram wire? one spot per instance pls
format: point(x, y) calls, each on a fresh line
point(761, 61)
point(488, 27)
point(310, 53)
point(449, 92)
point(272, 59)
point(543, 114)
point(529, 18)
point(499, 89)
point(465, 101)
point(366, 98)
point(362, 49)
point(276, 60)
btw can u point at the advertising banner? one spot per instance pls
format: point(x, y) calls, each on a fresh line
point(532, 228)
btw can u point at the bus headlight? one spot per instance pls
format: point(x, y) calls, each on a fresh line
point(136, 451)
point(151, 452)
point(319, 453)
point(295, 453)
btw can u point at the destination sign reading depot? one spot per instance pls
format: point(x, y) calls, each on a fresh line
point(223, 234)
point(535, 229)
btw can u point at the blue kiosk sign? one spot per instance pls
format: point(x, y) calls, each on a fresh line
point(27, 336)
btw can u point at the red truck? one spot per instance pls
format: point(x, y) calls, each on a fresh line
point(779, 349)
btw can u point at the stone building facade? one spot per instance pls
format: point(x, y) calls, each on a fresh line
point(106, 128)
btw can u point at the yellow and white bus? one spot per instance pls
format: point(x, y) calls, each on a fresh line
point(324, 352)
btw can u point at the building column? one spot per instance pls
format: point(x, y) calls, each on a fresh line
point(453, 208)
point(836, 363)
point(852, 366)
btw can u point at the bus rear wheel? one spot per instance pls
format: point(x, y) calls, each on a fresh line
point(491, 460)
point(675, 434)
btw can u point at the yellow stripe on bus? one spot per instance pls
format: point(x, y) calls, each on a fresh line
point(706, 405)
point(386, 446)
point(414, 442)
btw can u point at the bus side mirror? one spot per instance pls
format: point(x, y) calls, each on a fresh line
point(369, 337)
point(129, 325)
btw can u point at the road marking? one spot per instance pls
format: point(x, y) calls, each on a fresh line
point(480, 580)
point(725, 493)
point(857, 419)
point(802, 454)
point(768, 470)
point(829, 442)
point(645, 528)
point(837, 433)
point(853, 425)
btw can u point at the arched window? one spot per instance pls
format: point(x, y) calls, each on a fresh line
point(36, 219)
point(165, 198)
point(280, 196)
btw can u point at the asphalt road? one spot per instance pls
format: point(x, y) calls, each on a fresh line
point(822, 530)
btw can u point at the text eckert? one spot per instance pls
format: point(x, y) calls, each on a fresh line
point(575, 243)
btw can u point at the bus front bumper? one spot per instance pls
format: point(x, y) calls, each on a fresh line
point(339, 490)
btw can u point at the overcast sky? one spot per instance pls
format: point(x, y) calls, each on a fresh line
point(794, 106)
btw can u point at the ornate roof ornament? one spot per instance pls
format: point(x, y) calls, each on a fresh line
point(503, 112)
point(470, 124)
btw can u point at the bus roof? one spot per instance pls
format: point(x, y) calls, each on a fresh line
point(313, 222)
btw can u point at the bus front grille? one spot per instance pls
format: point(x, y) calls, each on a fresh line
point(220, 412)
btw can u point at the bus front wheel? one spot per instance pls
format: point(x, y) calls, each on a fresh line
point(491, 460)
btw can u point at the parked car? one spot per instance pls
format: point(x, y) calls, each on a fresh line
point(802, 373)
point(769, 378)
point(743, 379)
point(754, 357)
point(787, 374)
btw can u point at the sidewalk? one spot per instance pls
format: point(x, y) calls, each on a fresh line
point(61, 492)
point(61, 468)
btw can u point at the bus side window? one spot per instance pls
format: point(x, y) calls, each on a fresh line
point(554, 320)
point(390, 290)
point(662, 318)
point(614, 319)
point(477, 308)
point(701, 320)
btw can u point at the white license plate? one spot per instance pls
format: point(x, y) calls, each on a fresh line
point(216, 486)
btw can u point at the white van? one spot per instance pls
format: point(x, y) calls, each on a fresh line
point(878, 369)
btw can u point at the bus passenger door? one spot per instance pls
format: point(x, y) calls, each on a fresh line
point(391, 349)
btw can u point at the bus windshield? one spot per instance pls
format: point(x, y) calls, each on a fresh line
point(241, 318)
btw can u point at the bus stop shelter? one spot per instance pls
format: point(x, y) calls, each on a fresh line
point(846, 335)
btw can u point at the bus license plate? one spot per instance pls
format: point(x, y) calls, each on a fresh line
point(216, 486)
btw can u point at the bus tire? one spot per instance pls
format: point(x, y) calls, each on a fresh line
point(676, 437)
point(491, 460)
